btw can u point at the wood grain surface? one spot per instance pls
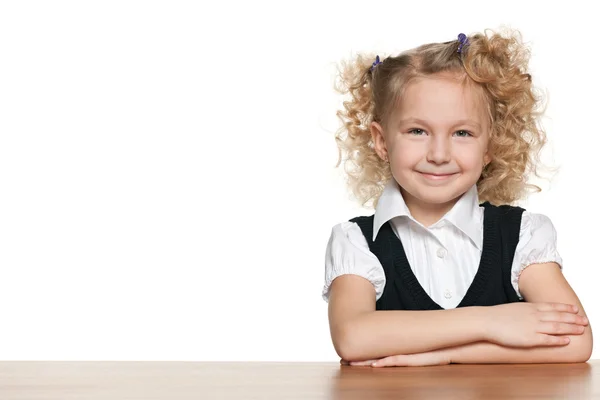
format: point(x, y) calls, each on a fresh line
point(33, 380)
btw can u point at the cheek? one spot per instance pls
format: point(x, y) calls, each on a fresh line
point(469, 158)
point(407, 153)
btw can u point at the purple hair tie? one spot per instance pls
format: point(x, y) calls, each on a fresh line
point(377, 62)
point(462, 38)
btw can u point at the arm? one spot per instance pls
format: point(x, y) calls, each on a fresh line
point(359, 332)
point(537, 283)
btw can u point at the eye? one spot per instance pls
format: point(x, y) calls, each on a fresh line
point(463, 133)
point(416, 131)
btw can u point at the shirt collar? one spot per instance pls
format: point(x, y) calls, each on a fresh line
point(465, 214)
point(390, 205)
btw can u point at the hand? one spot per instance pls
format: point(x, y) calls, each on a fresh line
point(437, 357)
point(533, 324)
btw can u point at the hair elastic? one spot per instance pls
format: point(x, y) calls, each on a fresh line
point(377, 62)
point(462, 38)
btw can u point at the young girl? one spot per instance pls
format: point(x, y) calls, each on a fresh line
point(440, 139)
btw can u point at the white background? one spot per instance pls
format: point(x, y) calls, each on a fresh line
point(167, 180)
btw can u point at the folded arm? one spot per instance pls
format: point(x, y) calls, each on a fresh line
point(538, 283)
point(359, 332)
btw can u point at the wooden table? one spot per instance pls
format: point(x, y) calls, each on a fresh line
point(246, 380)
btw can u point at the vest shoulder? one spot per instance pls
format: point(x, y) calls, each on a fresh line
point(362, 218)
point(506, 208)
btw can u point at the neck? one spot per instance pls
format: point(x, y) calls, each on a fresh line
point(426, 213)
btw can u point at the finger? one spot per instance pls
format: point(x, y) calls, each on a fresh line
point(559, 328)
point(344, 362)
point(570, 308)
point(550, 340)
point(563, 317)
point(391, 361)
point(413, 360)
point(362, 363)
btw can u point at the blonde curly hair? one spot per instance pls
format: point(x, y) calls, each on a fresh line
point(493, 64)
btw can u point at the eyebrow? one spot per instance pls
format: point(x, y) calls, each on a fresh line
point(423, 122)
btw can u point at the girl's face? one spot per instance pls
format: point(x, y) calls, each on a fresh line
point(436, 141)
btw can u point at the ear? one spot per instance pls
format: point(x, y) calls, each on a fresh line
point(487, 158)
point(379, 140)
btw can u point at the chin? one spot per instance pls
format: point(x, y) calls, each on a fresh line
point(440, 199)
point(435, 191)
point(438, 194)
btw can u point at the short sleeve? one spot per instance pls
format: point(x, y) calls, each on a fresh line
point(348, 253)
point(537, 244)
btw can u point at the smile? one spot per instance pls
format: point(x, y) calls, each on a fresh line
point(436, 177)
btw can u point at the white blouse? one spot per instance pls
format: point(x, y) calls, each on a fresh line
point(444, 256)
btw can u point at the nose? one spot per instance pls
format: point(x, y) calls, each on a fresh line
point(439, 150)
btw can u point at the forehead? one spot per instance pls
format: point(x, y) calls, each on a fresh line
point(441, 99)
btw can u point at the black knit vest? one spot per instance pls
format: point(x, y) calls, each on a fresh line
point(492, 282)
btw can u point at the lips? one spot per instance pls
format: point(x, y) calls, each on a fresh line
point(437, 176)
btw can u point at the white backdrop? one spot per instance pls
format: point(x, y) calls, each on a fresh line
point(167, 180)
